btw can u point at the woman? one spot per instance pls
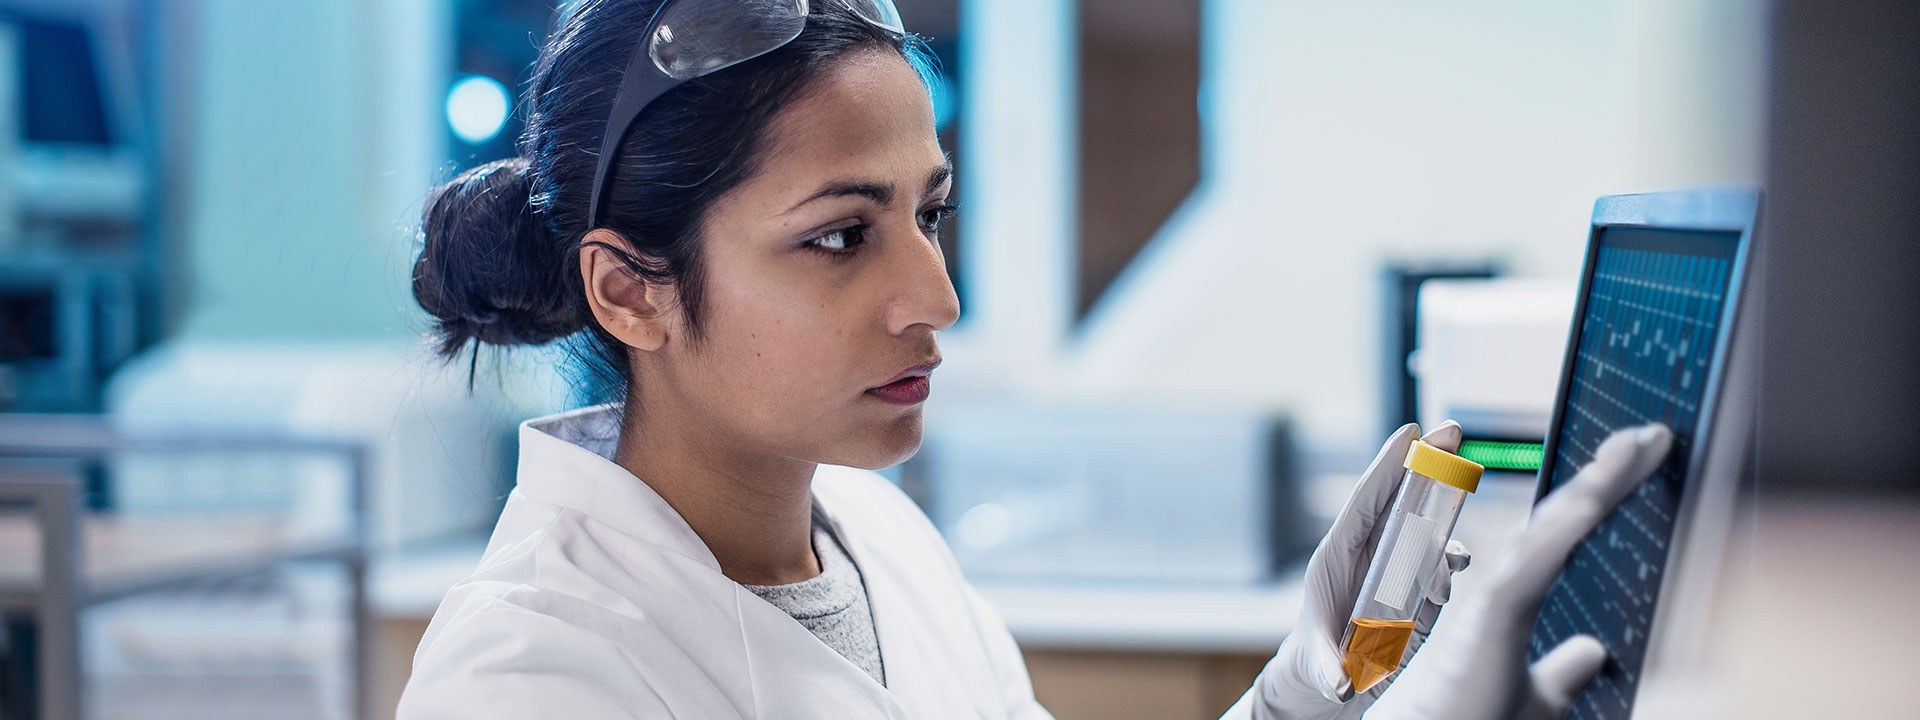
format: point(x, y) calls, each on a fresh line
point(731, 207)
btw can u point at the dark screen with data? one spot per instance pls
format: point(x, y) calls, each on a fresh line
point(1644, 347)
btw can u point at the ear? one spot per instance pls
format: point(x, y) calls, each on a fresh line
point(629, 308)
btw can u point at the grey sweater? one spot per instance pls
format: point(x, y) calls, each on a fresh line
point(832, 605)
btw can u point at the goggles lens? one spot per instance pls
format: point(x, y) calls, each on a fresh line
point(695, 38)
point(692, 38)
point(881, 13)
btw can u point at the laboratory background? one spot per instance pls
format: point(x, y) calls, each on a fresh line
point(1209, 253)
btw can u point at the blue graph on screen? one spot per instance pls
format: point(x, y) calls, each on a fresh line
point(1644, 348)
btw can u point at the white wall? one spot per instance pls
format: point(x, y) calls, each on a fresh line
point(318, 128)
point(1338, 136)
point(1018, 188)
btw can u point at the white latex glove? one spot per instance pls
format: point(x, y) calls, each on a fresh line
point(1305, 679)
point(1476, 666)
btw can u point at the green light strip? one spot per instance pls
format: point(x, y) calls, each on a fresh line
point(1504, 455)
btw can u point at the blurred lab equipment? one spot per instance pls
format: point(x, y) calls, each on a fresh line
point(77, 257)
point(62, 330)
point(1486, 355)
point(1489, 353)
point(58, 560)
point(439, 458)
point(1400, 298)
point(1109, 492)
point(74, 181)
point(1416, 532)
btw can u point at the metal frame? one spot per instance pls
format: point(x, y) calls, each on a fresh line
point(1725, 210)
point(33, 448)
point(1722, 430)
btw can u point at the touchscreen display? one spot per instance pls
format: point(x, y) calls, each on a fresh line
point(1644, 346)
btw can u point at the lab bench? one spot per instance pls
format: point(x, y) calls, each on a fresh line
point(57, 558)
point(1145, 651)
point(1141, 648)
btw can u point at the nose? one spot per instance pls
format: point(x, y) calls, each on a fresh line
point(922, 293)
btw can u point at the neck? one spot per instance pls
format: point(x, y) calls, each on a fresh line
point(753, 511)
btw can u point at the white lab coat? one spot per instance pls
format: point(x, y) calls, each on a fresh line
point(596, 600)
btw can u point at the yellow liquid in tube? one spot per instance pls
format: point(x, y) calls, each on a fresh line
point(1373, 650)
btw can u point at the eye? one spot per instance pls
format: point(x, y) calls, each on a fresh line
point(839, 243)
point(931, 217)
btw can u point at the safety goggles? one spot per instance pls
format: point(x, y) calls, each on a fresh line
point(690, 38)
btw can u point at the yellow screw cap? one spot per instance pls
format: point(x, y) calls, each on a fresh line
point(1444, 466)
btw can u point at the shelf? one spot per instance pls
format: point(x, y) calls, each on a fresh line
point(126, 555)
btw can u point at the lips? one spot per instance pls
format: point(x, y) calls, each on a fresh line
point(909, 391)
point(922, 369)
point(909, 387)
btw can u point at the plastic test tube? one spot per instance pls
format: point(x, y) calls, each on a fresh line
point(1435, 486)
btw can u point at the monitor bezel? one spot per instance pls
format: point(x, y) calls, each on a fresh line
point(1723, 210)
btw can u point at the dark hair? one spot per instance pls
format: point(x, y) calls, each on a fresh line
point(499, 257)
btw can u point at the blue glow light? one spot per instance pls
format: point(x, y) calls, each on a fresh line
point(477, 108)
point(945, 101)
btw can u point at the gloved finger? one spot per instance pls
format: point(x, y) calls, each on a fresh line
point(1328, 673)
point(1439, 578)
point(1373, 495)
point(1621, 463)
point(1439, 590)
point(1339, 564)
point(1446, 437)
point(1563, 672)
point(1301, 671)
point(1572, 512)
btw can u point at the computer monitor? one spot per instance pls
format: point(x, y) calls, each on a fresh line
point(74, 163)
point(76, 251)
point(1652, 340)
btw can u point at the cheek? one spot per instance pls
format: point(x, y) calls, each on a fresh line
point(786, 359)
point(797, 353)
point(788, 363)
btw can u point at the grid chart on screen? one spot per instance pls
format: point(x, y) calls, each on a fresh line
point(1644, 350)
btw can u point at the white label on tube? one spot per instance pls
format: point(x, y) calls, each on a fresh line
point(1403, 566)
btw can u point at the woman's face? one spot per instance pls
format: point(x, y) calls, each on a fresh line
point(824, 278)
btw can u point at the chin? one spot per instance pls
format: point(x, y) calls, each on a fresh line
point(889, 446)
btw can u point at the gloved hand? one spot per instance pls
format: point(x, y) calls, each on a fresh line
point(1305, 679)
point(1476, 666)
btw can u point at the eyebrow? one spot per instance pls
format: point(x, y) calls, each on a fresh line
point(878, 192)
point(940, 175)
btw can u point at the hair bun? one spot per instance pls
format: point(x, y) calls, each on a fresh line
point(489, 269)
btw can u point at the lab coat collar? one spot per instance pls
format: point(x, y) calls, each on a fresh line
point(567, 460)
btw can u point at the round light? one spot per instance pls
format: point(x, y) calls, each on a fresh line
point(983, 526)
point(477, 108)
